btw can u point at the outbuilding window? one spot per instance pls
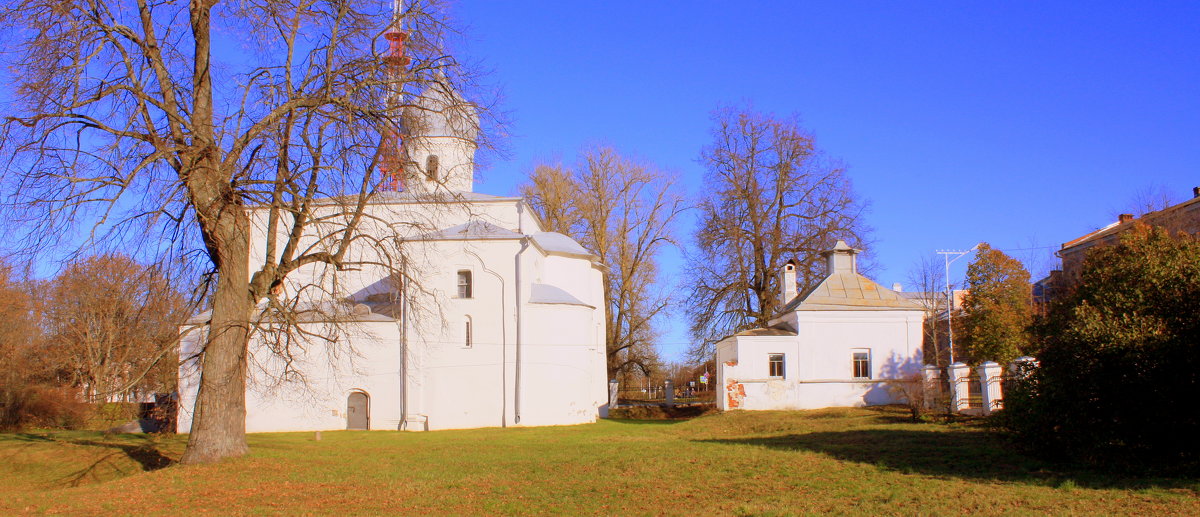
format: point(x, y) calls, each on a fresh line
point(862, 364)
point(775, 365)
point(464, 283)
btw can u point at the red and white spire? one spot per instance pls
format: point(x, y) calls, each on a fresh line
point(391, 148)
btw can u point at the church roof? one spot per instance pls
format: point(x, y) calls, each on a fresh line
point(549, 294)
point(553, 242)
point(391, 197)
point(770, 331)
point(849, 291)
point(471, 230)
point(310, 312)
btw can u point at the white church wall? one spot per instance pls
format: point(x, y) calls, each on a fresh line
point(557, 384)
point(455, 164)
point(571, 275)
point(466, 384)
point(191, 341)
point(450, 385)
point(363, 360)
point(418, 219)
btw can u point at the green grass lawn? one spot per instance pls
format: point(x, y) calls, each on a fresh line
point(848, 461)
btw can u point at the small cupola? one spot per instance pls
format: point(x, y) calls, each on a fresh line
point(840, 259)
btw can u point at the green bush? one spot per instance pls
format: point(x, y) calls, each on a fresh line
point(1120, 361)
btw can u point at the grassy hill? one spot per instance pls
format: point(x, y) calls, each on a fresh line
point(846, 461)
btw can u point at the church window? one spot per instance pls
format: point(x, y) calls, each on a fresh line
point(775, 365)
point(467, 333)
point(862, 364)
point(464, 284)
point(431, 167)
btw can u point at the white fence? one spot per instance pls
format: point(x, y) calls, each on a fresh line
point(960, 383)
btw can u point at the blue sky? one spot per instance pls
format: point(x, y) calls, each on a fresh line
point(1021, 124)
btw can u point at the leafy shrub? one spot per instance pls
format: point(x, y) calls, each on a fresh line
point(1120, 361)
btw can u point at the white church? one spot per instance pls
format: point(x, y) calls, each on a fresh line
point(499, 324)
point(838, 344)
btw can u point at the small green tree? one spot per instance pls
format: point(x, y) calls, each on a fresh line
point(997, 308)
point(1120, 363)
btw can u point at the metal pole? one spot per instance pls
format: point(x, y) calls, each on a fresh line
point(950, 294)
point(949, 310)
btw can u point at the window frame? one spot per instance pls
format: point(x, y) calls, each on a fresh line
point(469, 334)
point(855, 362)
point(771, 363)
point(469, 285)
point(431, 167)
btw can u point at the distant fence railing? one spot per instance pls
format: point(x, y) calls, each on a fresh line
point(658, 395)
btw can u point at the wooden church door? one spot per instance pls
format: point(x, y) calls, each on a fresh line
point(357, 416)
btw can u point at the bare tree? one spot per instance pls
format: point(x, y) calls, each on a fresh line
point(553, 193)
point(1149, 198)
point(928, 282)
point(113, 327)
point(622, 211)
point(21, 363)
point(131, 123)
point(769, 196)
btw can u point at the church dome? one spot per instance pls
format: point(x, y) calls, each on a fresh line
point(439, 111)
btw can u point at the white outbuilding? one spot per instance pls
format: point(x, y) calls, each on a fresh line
point(836, 345)
point(494, 323)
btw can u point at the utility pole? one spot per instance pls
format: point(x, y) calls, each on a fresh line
point(950, 294)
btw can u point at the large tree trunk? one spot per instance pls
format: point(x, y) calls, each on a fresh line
point(219, 421)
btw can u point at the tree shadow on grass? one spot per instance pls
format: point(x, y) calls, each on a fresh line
point(634, 421)
point(146, 454)
point(971, 455)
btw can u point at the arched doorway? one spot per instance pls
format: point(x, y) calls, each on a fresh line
point(358, 414)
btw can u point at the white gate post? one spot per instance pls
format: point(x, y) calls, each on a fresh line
point(958, 387)
point(931, 375)
point(669, 388)
point(989, 380)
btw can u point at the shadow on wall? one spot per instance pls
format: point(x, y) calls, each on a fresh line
point(965, 454)
point(895, 367)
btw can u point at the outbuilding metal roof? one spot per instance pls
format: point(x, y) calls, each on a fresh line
point(848, 291)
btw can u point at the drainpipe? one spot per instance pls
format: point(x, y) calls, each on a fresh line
point(503, 342)
point(404, 380)
point(517, 288)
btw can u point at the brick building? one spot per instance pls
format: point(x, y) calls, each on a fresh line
point(1183, 217)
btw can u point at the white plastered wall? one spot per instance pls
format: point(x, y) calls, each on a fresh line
point(449, 385)
point(818, 361)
